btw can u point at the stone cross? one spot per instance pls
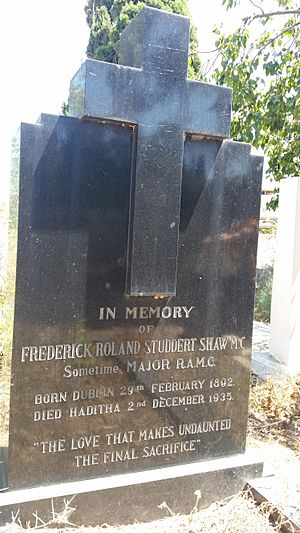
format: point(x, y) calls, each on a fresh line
point(149, 88)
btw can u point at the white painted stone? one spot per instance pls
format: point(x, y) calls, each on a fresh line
point(285, 311)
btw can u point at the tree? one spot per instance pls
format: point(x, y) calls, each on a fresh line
point(264, 73)
point(108, 18)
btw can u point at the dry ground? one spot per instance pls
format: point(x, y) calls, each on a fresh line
point(238, 514)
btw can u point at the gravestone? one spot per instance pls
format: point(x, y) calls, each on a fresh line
point(285, 310)
point(134, 289)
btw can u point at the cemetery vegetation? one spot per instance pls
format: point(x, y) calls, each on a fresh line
point(108, 18)
point(274, 412)
point(238, 513)
point(264, 270)
point(260, 61)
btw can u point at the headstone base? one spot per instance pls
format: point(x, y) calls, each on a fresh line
point(124, 498)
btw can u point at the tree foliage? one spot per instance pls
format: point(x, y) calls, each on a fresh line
point(108, 18)
point(260, 61)
point(264, 73)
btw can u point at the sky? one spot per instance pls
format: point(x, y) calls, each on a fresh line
point(42, 44)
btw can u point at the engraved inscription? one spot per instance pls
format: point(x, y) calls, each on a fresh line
point(173, 377)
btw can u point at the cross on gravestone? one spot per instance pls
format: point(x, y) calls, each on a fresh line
point(150, 88)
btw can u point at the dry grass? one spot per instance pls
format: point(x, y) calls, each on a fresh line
point(274, 412)
point(237, 514)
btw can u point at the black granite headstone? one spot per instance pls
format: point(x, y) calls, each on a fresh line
point(153, 93)
point(135, 271)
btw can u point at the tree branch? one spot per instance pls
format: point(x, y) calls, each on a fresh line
point(212, 64)
point(258, 7)
point(206, 51)
point(271, 14)
point(274, 39)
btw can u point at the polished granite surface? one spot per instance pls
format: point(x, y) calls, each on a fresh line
point(108, 377)
point(149, 90)
point(102, 382)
